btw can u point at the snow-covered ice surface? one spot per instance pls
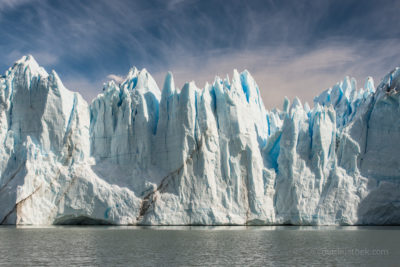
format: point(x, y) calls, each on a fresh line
point(211, 156)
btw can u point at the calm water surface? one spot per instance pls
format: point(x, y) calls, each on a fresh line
point(199, 246)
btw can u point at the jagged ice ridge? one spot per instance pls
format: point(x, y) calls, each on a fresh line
point(211, 156)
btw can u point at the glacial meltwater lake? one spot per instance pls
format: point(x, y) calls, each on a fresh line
point(199, 246)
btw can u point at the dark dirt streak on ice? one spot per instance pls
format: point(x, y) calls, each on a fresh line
point(149, 199)
point(17, 206)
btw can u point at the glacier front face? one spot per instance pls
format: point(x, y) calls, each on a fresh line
point(211, 156)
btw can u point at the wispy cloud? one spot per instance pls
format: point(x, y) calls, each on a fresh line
point(117, 78)
point(288, 71)
point(291, 47)
point(9, 4)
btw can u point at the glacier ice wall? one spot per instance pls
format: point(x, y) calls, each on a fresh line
point(190, 156)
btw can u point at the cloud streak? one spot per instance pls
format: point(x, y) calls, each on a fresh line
point(10, 4)
point(291, 48)
point(285, 71)
point(117, 78)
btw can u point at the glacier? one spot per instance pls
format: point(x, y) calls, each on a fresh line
point(138, 155)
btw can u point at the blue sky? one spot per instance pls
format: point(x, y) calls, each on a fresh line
point(292, 48)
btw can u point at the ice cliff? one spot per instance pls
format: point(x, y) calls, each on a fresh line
point(190, 156)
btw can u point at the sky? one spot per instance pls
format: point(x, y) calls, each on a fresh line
point(291, 48)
